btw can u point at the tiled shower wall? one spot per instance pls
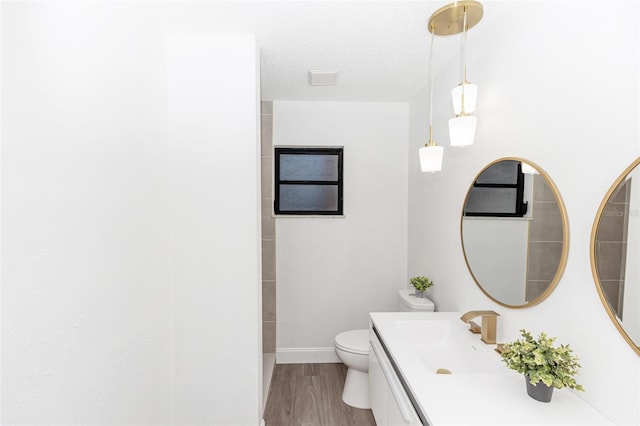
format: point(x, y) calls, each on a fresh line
point(611, 247)
point(545, 239)
point(268, 233)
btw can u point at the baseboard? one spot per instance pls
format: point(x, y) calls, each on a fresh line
point(306, 355)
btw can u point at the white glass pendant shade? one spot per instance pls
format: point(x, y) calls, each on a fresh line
point(462, 130)
point(431, 158)
point(470, 96)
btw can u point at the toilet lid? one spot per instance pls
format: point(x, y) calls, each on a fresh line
point(354, 341)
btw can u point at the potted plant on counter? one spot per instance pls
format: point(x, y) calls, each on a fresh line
point(421, 284)
point(544, 366)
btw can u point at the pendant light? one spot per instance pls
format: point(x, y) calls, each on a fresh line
point(462, 128)
point(431, 154)
point(454, 18)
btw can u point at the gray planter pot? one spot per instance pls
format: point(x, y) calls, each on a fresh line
point(539, 391)
point(420, 294)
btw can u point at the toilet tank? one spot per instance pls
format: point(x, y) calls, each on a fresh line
point(408, 302)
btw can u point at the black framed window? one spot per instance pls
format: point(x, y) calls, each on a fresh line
point(308, 181)
point(498, 191)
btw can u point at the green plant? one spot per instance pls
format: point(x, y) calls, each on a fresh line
point(421, 283)
point(541, 361)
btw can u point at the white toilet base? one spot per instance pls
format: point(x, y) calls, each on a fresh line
point(356, 389)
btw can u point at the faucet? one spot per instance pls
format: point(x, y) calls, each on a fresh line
point(489, 324)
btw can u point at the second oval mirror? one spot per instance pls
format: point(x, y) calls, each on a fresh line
point(515, 233)
point(614, 252)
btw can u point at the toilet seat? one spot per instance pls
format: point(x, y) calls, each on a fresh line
point(353, 341)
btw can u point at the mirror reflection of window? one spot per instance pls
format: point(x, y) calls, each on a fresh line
point(498, 191)
point(515, 259)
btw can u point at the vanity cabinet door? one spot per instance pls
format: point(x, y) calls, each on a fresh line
point(378, 390)
point(394, 415)
point(389, 402)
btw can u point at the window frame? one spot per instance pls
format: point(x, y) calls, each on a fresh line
point(520, 207)
point(339, 183)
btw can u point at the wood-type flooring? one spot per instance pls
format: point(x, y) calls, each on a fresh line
point(311, 395)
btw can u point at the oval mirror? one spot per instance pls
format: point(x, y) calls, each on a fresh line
point(615, 248)
point(515, 232)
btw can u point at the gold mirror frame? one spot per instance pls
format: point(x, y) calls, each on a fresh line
point(592, 255)
point(565, 236)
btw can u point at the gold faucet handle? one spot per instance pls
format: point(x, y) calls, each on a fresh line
point(474, 327)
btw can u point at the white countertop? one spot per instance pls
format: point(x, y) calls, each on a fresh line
point(476, 399)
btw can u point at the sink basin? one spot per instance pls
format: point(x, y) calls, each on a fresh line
point(447, 348)
point(480, 390)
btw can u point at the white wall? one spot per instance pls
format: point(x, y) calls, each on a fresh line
point(214, 154)
point(562, 92)
point(85, 271)
point(120, 269)
point(496, 250)
point(333, 271)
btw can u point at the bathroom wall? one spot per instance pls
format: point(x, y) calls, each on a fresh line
point(332, 271)
point(130, 226)
point(562, 92)
point(268, 245)
point(85, 261)
point(214, 169)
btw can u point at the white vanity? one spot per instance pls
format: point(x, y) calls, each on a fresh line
point(389, 401)
point(425, 368)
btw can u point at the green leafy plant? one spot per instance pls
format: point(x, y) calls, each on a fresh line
point(539, 360)
point(421, 283)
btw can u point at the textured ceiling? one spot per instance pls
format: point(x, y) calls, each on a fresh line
point(380, 48)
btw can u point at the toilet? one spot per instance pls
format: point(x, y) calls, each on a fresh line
point(352, 347)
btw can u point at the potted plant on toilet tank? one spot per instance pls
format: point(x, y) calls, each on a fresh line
point(421, 284)
point(544, 366)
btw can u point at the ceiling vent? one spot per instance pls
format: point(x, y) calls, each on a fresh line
point(323, 77)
